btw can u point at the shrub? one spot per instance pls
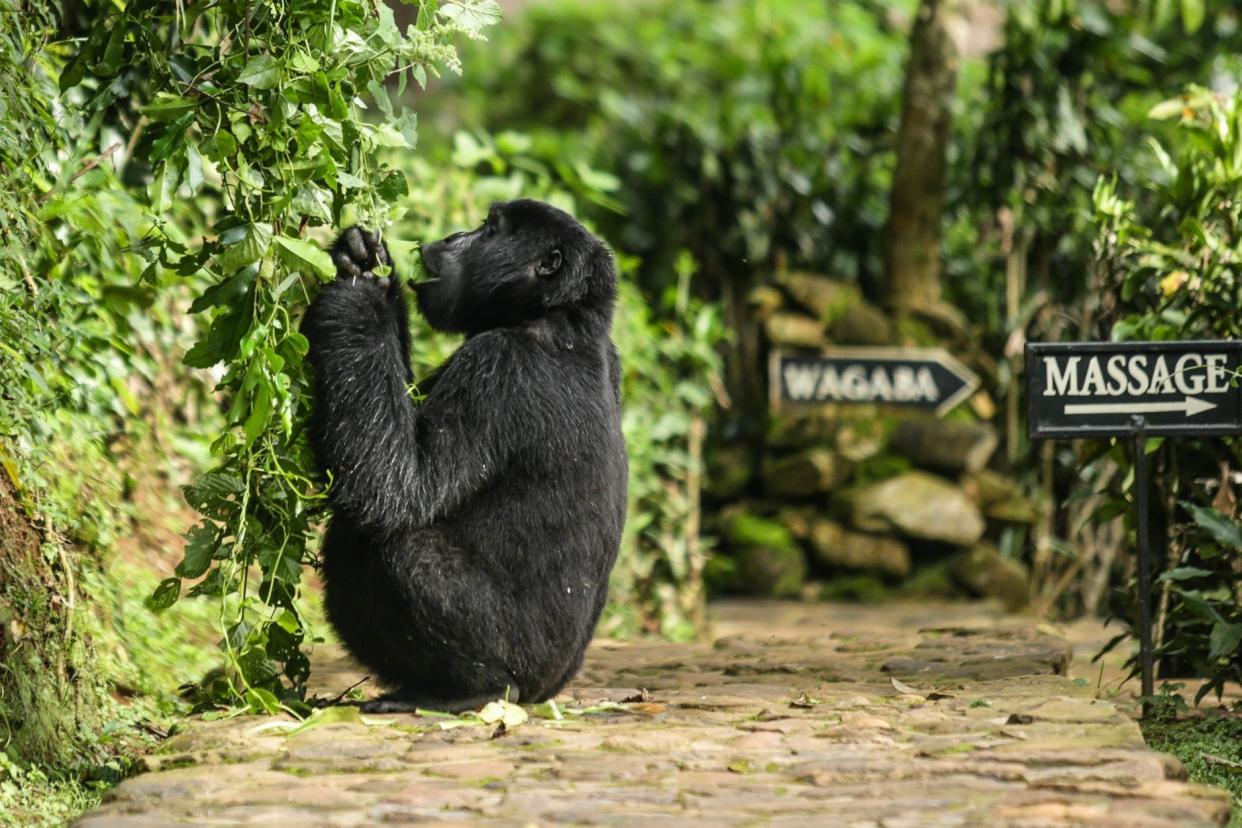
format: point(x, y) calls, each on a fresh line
point(1170, 246)
point(252, 115)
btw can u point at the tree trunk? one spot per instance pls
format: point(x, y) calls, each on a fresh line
point(912, 236)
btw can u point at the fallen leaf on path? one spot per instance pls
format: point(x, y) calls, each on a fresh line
point(902, 687)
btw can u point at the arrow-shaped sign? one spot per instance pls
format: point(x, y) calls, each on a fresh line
point(1189, 406)
point(1111, 389)
point(919, 378)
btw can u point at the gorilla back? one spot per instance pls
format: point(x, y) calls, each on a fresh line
point(473, 531)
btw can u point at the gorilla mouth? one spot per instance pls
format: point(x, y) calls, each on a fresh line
point(425, 272)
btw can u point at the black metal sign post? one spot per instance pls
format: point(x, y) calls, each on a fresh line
point(1136, 390)
point(929, 379)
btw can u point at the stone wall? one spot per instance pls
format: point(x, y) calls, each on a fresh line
point(858, 501)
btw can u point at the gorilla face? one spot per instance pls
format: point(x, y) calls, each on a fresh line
point(526, 259)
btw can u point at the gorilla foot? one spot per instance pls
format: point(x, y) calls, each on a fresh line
point(403, 701)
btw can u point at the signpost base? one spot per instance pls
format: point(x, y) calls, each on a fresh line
point(1142, 490)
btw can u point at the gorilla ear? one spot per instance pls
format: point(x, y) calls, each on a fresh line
point(550, 263)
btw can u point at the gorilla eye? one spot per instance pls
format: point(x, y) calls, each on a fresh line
point(550, 263)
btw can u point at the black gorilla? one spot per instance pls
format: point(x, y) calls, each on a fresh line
point(473, 529)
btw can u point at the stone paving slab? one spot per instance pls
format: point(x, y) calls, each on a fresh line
point(794, 715)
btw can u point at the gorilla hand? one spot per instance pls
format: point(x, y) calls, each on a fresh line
point(357, 253)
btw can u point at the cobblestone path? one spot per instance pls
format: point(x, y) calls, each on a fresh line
point(796, 714)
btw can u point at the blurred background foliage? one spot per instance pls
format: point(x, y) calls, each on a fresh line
point(169, 173)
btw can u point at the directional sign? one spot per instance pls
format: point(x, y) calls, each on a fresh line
point(926, 378)
point(1099, 389)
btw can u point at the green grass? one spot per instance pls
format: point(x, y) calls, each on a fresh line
point(1201, 744)
point(36, 800)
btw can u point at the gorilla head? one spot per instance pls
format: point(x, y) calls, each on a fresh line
point(528, 258)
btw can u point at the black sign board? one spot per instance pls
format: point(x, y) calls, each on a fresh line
point(921, 378)
point(1103, 389)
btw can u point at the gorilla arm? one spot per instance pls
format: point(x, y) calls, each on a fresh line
point(397, 465)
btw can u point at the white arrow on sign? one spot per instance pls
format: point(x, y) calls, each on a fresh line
point(1189, 406)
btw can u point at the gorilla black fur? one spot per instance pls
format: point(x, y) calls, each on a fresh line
point(474, 529)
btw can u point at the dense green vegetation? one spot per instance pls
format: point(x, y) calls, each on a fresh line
point(85, 375)
point(1172, 254)
point(255, 116)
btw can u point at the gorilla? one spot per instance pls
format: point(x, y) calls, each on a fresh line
point(477, 513)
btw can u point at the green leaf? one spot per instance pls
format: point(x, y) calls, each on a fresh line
point(1162, 13)
point(1167, 109)
point(262, 72)
point(288, 622)
point(212, 488)
point(1184, 573)
point(305, 256)
point(393, 186)
point(260, 414)
point(472, 15)
point(163, 187)
point(193, 169)
point(221, 145)
point(303, 61)
point(200, 547)
point(387, 30)
point(1223, 530)
point(249, 176)
point(380, 94)
point(349, 181)
point(313, 201)
point(262, 701)
point(1193, 12)
point(232, 289)
point(1196, 606)
point(407, 125)
point(505, 712)
point(340, 714)
point(386, 135)
point(165, 595)
point(254, 241)
point(114, 52)
point(1224, 640)
point(75, 71)
point(400, 252)
point(167, 107)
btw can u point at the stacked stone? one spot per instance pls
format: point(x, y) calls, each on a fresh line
point(858, 500)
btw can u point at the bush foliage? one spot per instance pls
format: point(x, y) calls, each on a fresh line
point(726, 121)
point(1171, 248)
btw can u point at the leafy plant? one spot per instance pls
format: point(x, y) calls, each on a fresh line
point(1064, 100)
point(80, 352)
point(1172, 250)
point(255, 111)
